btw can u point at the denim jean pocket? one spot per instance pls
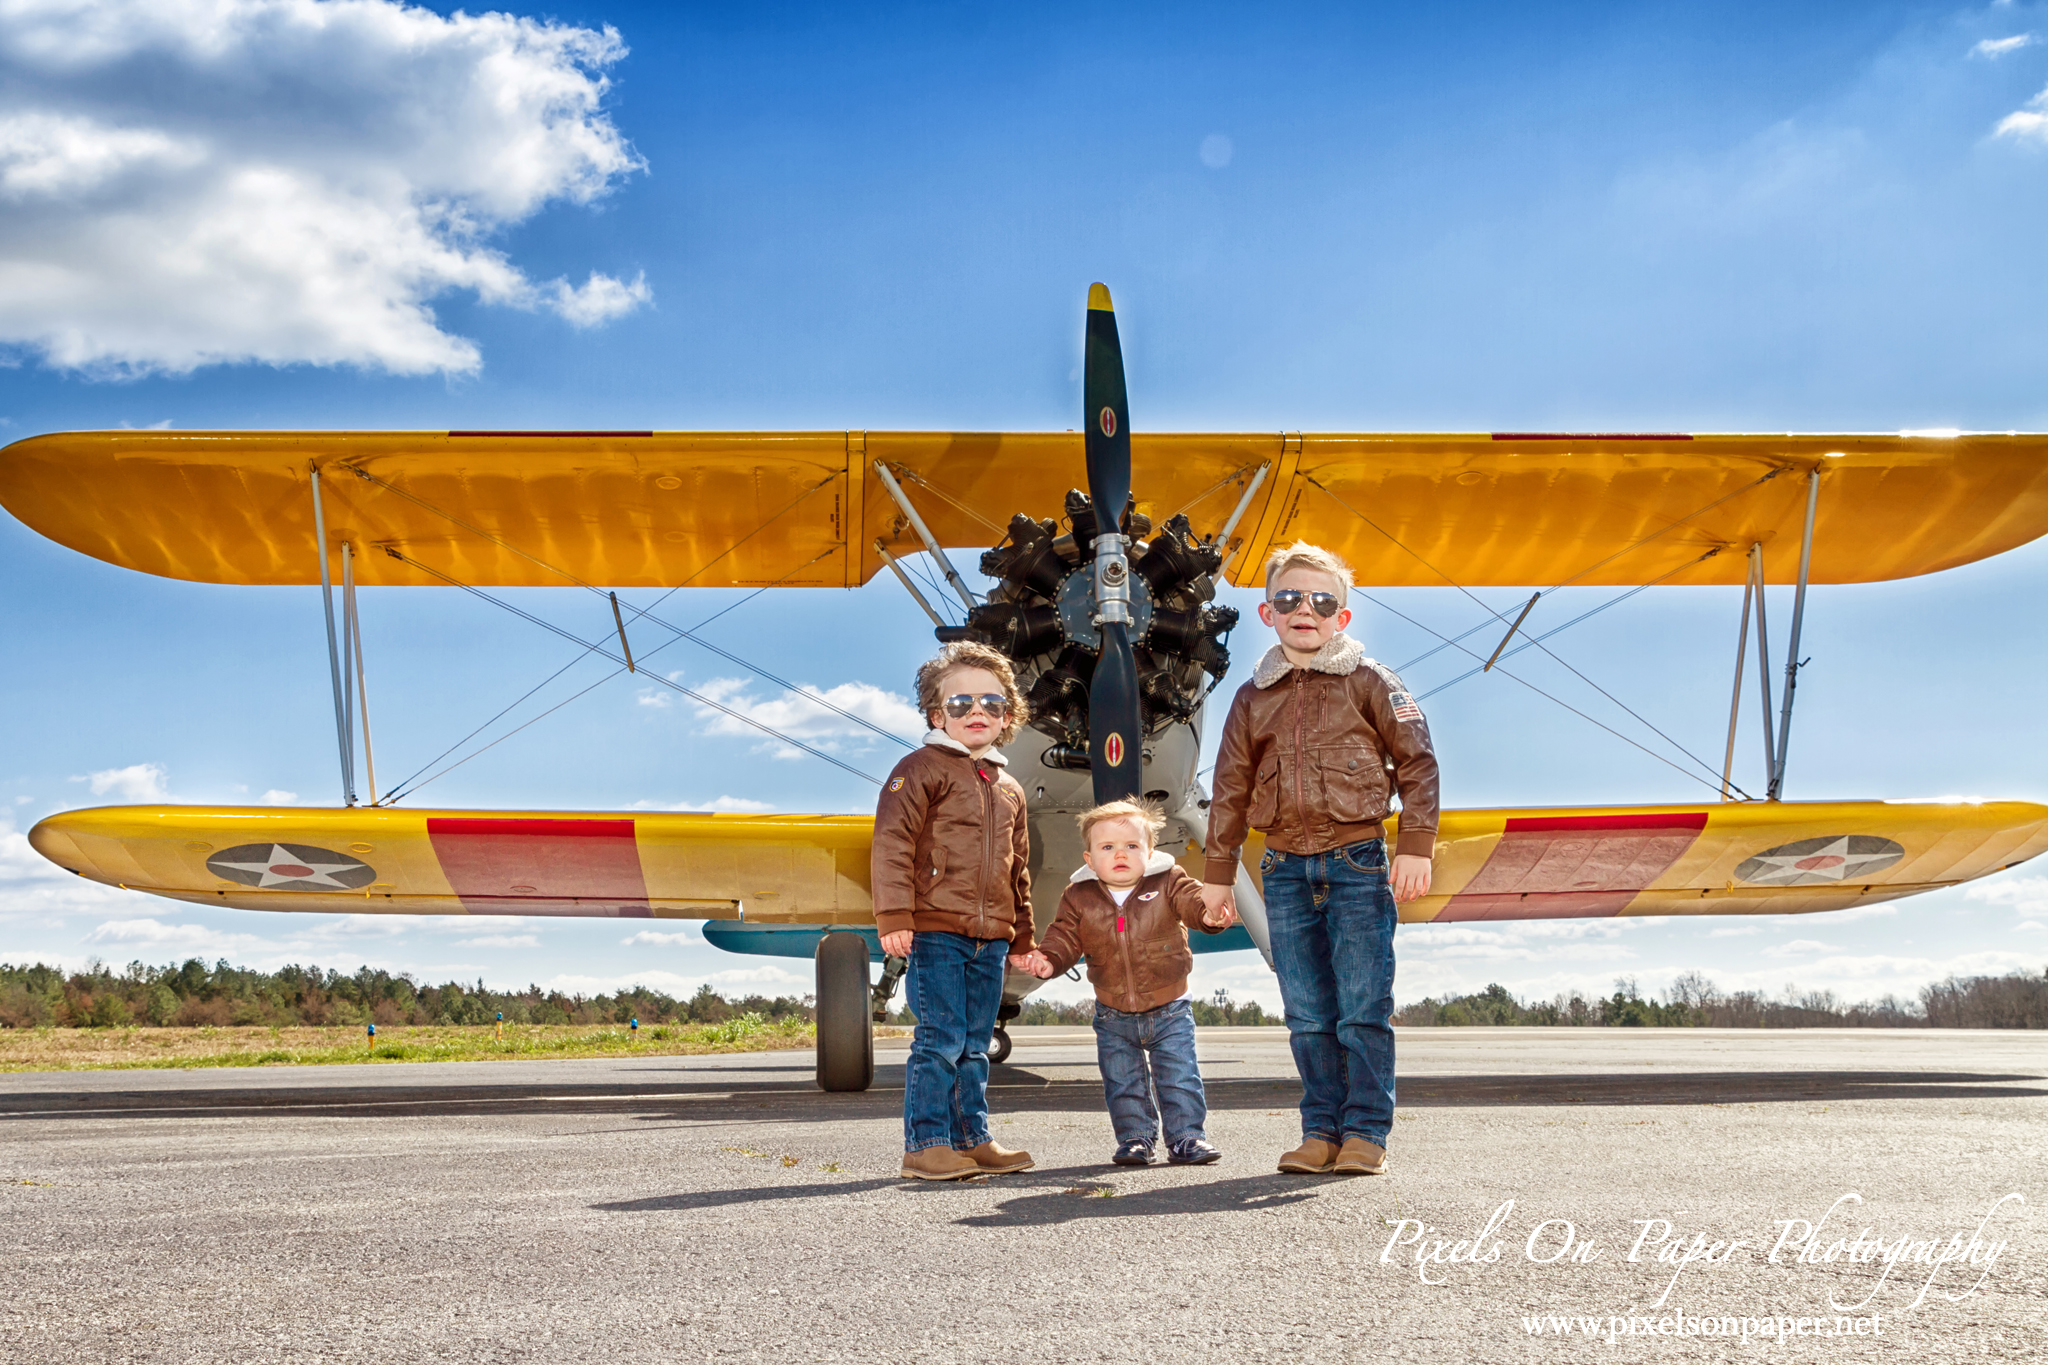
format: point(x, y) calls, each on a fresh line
point(1369, 856)
point(1267, 861)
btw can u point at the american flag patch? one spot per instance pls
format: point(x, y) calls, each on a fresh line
point(1404, 706)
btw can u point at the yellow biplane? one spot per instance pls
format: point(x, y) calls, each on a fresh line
point(1114, 633)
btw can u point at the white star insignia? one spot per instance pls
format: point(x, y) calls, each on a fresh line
point(282, 866)
point(1832, 862)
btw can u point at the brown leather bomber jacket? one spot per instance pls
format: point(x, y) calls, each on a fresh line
point(1138, 956)
point(951, 847)
point(1313, 755)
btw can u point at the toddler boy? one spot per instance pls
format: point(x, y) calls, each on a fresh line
point(1128, 910)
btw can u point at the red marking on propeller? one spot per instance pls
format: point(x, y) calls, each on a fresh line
point(1113, 747)
point(1109, 421)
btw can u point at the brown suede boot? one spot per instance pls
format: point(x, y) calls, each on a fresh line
point(1360, 1157)
point(1315, 1156)
point(992, 1158)
point(939, 1163)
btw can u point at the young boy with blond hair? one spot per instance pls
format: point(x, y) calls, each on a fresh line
point(1128, 910)
point(1315, 746)
point(952, 894)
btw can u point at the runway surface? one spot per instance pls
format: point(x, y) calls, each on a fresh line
point(722, 1208)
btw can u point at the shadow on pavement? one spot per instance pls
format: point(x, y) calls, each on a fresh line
point(1012, 1090)
point(1054, 1196)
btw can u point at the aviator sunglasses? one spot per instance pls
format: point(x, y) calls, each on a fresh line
point(1287, 601)
point(961, 704)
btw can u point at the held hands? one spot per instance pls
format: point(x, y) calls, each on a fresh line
point(898, 943)
point(1034, 962)
point(1218, 900)
point(1410, 876)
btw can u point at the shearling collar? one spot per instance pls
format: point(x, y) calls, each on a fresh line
point(939, 739)
point(1341, 655)
point(1159, 862)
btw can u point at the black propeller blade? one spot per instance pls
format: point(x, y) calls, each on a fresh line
point(1115, 747)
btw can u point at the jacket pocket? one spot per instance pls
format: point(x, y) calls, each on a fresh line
point(1354, 784)
point(1265, 802)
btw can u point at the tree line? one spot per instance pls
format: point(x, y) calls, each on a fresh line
point(192, 993)
point(2017, 1000)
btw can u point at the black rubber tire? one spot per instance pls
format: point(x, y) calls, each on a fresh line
point(846, 1034)
point(999, 1046)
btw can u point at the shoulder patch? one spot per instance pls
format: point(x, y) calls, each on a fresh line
point(895, 784)
point(1404, 706)
point(1149, 895)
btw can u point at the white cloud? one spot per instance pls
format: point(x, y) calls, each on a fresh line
point(278, 797)
point(1799, 947)
point(653, 938)
point(796, 714)
point(136, 782)
point(194, 182)
point(738, 804)
point(2026, 895)
point(501, 941)
point(140, 934)
point(1998, 47)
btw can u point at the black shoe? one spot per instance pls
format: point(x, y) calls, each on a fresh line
point(1136, 1152)
point(1193, 1152)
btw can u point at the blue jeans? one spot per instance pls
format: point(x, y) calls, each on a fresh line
point(1140, 1053)
point(1331, 916)
point(955, 985)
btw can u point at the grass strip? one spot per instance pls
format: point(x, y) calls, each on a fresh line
point(118, 1049)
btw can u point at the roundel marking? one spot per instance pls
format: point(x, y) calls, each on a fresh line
point(1108, 421)
point(1113, 747)
point(1823, 861)
point(291, 867)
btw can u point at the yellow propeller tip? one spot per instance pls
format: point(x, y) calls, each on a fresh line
point(1098, 297)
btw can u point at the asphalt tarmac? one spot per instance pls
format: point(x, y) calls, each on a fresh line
point(721, 1208)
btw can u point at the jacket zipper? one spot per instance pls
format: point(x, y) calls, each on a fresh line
point(1123, 944)
point(1300, 759)
point(987, 817)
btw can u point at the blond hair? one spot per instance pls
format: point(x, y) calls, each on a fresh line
point(1302, 555)
point(931, 683)
point(1143, 813)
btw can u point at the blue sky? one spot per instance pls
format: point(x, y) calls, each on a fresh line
point(1708, 217)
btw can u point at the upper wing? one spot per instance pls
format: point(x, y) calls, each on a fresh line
point(803, 509)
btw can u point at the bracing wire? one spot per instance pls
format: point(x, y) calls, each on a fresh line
point(409, 787)
point(657, 678)
point(1483, 606)
point(646, 613)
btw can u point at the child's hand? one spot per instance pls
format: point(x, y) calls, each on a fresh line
point(1410, 876)
point(1222, 917)
point(1216, 897)
point(898, 943)
point(1035, 963)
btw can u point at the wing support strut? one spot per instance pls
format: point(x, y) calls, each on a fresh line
point(1735, 700)
point(1793, 663)
point(1763, 659)
point(904, 579)
point(924, 533)
point(352, 627)
point(1236, 515)
point(341, 725)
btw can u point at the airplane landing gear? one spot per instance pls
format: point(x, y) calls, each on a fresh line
point(999, 1045)
point(846, 1037)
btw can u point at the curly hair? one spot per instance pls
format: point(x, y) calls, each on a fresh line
point(1146, 815)
point(931, 683)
